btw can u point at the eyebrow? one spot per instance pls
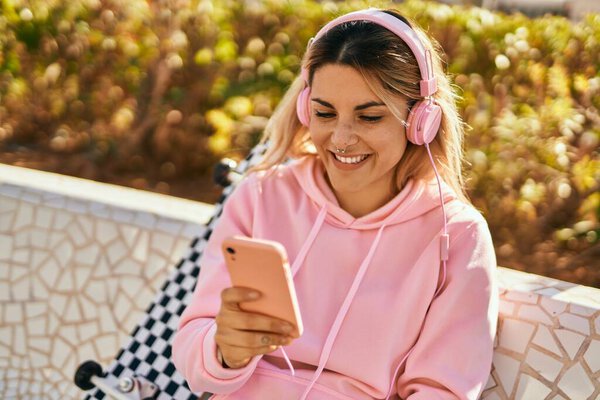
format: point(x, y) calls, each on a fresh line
point(357, 108)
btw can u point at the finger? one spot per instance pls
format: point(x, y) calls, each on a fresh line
point(247, 321)
point(234, 355)
point(235, 295)
point(246, 339)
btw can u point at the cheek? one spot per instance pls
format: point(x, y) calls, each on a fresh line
point(317, 135)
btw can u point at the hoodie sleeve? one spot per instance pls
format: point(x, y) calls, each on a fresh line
point(453, 355)
point(194, 350)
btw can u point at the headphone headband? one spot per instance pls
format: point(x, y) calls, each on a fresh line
point(428, 84)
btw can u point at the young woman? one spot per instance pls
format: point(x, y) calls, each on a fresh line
point(393, 268)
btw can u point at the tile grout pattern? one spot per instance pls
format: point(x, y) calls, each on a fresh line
point(76, 276)
point(546, 347)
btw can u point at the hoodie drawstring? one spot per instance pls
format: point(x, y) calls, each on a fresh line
point(298, 262)
point(309, 240)
point(335, 328)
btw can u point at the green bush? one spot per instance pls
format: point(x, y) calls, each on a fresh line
point(169, 87)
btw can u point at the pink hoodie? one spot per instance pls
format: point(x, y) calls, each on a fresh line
point(366, 292)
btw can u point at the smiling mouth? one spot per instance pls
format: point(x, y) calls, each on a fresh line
point(351, 160)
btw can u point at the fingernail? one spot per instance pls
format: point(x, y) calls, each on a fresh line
point(286, 328)
point(253, 295)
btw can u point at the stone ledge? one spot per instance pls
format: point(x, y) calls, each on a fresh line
point(12, 178)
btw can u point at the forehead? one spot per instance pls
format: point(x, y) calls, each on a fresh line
point(333, 82)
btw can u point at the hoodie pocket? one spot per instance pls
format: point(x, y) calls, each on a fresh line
point(267, 384)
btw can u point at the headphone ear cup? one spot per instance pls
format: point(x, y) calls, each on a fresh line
point(303, 106)
point(424, 122)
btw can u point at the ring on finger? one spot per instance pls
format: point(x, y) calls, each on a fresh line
point(265, 340)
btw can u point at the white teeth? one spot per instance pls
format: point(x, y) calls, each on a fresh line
point(351, 160)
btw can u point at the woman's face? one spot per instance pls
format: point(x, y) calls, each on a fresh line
point(346, 114)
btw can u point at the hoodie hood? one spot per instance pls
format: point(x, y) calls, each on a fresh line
point(416, 198)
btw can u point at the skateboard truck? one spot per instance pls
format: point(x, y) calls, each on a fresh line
point(89, 375)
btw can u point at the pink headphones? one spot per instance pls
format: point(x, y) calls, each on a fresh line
point(425, 116)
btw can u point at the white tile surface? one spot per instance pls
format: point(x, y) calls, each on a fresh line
point(58, 303)
point(507, 369)
point(64, 253)
point(62, 219)
point(7, 205)
point(65, 281)
point(127, 266)
point(13, 313)
point(19, 346)
point(141, 248)
point(576, 323)
point(581, 310)
point(96, 291)
point(69, 333)
point(116, 251)
point(35, 308)
point(21, 289)
point(545, 365)
point(43, 217)
point(77, 206)
point(161, 242)
point(145, 220)
point(169, 226)
point(571, 341)
point(87, 330)
point(21, 256)
point(37, 257)
point(121, 215)
point(592, 356)
point(6, 335)
point(552, 306)
point(82, 275)
point(544, 338)
point(6, 220)
point(531, 388)
point(86, 224)
point(515, 334)
point(31, 196)
point(6, 247)
point(107, 321)
point(60, 351)
point(576, 384)
point(106, 231)
point(39, 288)
point(72, 311)
point(129, 234)
point(17, 272)
point(76, 234)
point(24, 216)
point(87, 255)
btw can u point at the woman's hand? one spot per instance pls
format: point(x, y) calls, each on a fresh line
point(242, 335)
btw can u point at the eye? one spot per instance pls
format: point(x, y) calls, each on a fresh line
point(371, 118)
point(324, 114)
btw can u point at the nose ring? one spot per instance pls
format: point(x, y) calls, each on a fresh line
point(341, 151)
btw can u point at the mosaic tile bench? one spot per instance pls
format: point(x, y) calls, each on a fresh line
point(80, 261)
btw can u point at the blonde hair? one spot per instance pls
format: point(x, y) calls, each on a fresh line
point(391, 70)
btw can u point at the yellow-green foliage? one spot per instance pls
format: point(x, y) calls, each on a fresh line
point(184, 82)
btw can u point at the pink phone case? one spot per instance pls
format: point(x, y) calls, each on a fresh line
point(263, 265)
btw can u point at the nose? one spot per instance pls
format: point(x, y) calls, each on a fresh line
point(343, 135)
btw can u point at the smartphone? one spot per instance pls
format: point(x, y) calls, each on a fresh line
point(263, 265)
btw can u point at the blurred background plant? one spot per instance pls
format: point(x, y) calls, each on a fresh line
point(151, 94)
